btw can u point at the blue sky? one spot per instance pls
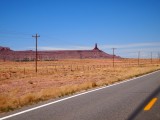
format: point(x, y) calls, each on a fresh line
point(128, 25)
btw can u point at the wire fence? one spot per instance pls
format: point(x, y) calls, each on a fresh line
point(22, 64)
point(27, 69)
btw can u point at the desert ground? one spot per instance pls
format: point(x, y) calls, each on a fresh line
point(20, 85)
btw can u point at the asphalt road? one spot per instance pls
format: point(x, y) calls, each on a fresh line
point(124, 101)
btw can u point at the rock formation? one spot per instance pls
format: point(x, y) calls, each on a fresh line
point(29, 55)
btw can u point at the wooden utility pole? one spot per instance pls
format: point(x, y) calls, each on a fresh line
point(159, 56)
point(113, 55)
point(151, 57)
point(36, 36)
point(138, 56)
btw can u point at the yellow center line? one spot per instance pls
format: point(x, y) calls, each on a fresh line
point(150, 104)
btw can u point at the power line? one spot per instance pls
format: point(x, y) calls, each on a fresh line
point(151, 57)
point(14, 33)
point(36, 36)
point(113, 55)
point(4, 35)
point(138, 57)
point(159, 56)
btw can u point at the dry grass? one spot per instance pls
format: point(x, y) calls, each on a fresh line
point(59, 78)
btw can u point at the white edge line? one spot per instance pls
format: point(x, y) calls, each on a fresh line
point(41, 106)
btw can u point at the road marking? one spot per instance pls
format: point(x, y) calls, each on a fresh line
point(44, 105)
point(150, 104)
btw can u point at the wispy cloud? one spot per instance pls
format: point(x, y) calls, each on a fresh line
point(133, 45)
point(51, 48)
point(62, 48)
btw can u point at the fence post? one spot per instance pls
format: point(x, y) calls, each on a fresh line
point(47, 69)
point(10, 74)
point(24, 71)
point(77, 67)
point(55, 68)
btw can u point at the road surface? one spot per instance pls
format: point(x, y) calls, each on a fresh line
point(136, 99)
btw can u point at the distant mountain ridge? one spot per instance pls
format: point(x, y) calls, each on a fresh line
point(29, 55)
